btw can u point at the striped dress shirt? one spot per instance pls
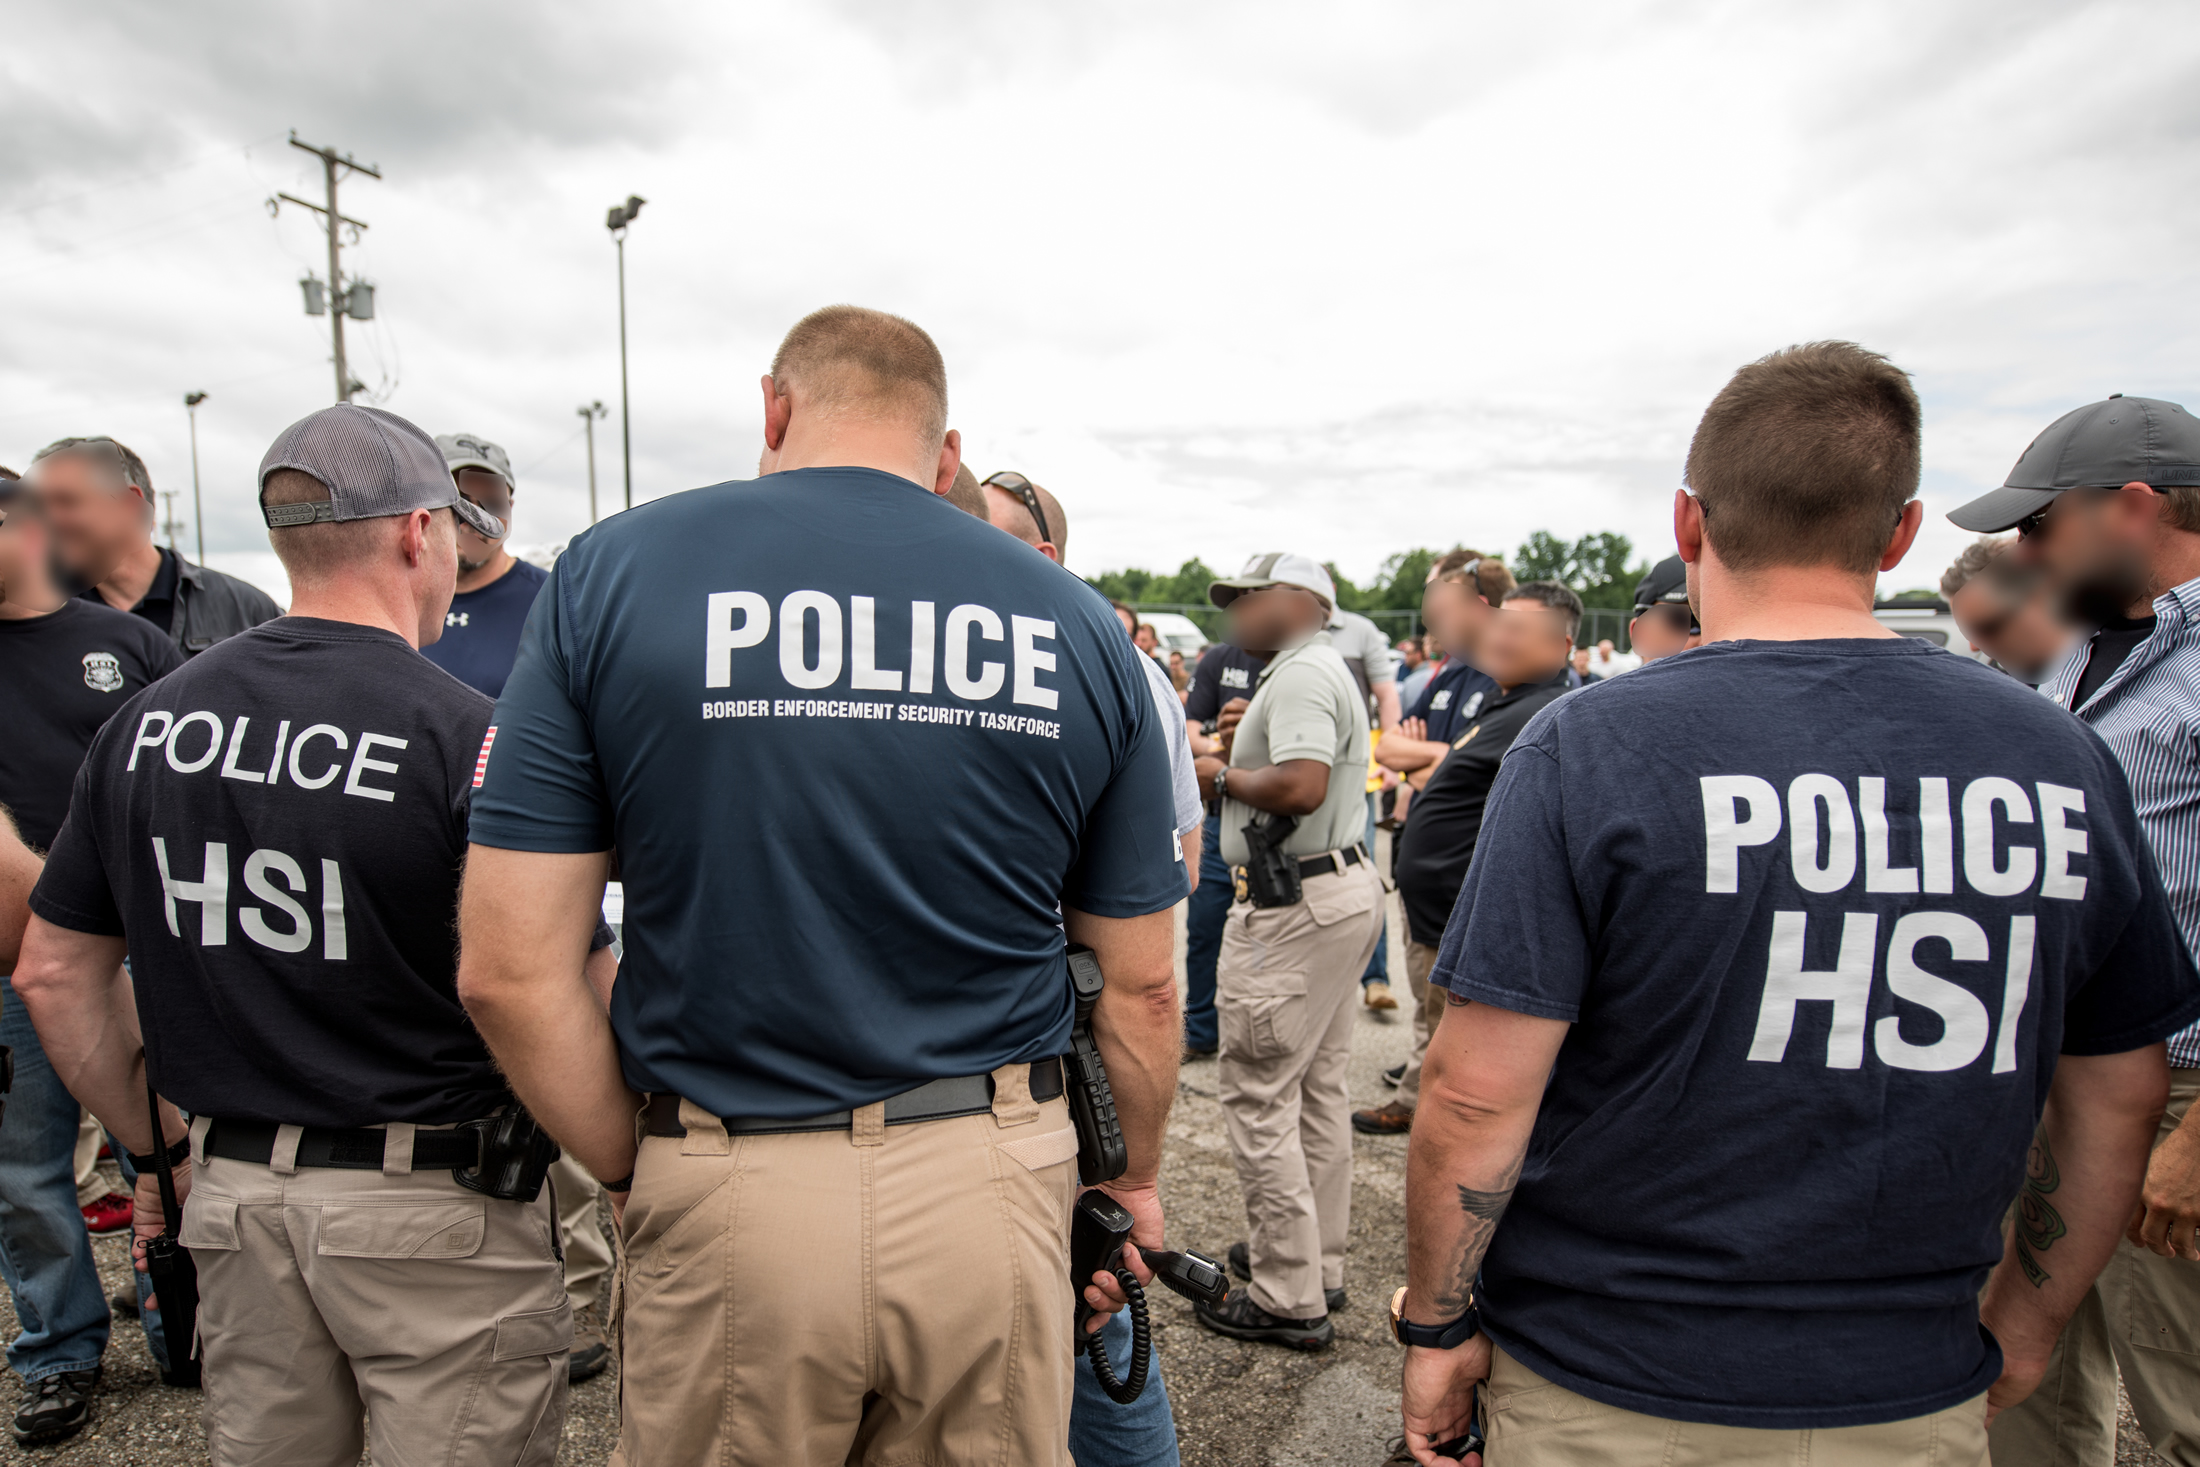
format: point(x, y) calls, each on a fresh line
point(2148, 713)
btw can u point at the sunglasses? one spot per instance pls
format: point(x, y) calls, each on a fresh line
point(496, 500)
point(2035, 522)
point(1016, 484)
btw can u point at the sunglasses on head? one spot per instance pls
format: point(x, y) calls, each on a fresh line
point(1014, 483)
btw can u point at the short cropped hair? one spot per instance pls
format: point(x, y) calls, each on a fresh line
point(856, 362)
point(1976, 556)
point(1559, 598)
point(1489, 579)
point(1027, 528)
point(965, 494)
point(125, 466)
point(1806, 458)
point(318, 551)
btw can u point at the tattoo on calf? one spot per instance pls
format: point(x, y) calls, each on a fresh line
point(2038, 1224)
point(1483, 1209)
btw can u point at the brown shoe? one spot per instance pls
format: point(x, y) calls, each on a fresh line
point(1377, 995)
point(1388, 1119)
point(591, 1352)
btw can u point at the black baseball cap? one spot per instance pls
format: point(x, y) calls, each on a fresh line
point(2103, 445)
point(1667, 584)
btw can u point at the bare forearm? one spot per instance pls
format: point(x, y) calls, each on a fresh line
point(1294, 787)
point(74, 989)
point(19, 867)
point(2082, 1179)
point(524, 925)
point(1405, 755)
point(1137, 1026)
point(1191, 842)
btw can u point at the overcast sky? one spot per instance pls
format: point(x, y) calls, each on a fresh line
point(1225, 277)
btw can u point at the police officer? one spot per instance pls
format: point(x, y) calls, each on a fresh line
point(496, 590)
point(864, 762)
point(1297, 770)
point(275, 831)
point(1664, 621)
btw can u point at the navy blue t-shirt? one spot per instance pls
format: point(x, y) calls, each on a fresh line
point(854, 749)
point(1820, 947)
point(481, 630)
point(1451, 699)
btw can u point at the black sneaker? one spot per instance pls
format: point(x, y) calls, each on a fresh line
point(1241, 1264)
point(124, 1302)
point(1193, 1056)
point(1241, 1319)
point(55, 1408)
point(1395, 1076)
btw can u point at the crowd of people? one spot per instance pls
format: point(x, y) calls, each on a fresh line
point(1804, 1020)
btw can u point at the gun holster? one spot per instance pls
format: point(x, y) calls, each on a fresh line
point(516, 1154)
point(1271, 877)
point(1101, 1154)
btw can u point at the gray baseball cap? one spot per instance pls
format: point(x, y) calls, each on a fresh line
point(374, 464)
point(2103, 445)
point(1276, 568)
point(472, 451)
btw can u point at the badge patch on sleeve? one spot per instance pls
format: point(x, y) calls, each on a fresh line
point(481, 765)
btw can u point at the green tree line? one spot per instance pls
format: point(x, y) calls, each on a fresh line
point(1596, 566)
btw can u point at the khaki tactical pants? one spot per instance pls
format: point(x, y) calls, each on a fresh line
point(325, 1295)
point(1533, 1423)
point(877, 1295)
point(1428, 1009)
point(587, 1252)
point(2142, 1320)
point(1284, 991)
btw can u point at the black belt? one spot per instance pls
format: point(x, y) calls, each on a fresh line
point(1330, 861)
point(346, 1148)
point(935, 1100)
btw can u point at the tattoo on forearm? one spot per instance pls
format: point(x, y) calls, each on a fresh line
point(1483, 1209)
point(2038, 1224)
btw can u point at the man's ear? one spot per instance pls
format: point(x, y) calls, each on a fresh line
point(951, 457)
point(1905, 534)
point(778, 413)
point(1688, 526)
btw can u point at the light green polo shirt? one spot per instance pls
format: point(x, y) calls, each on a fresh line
point(1305, 706)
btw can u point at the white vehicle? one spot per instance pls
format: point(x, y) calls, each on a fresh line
point(1178, 632)
point(1928, 621)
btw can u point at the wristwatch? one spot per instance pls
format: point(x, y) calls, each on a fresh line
point(1222, 781)
point(1434, 1336)
point(151, 1160)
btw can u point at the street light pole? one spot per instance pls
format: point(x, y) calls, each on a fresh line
point(191, 401)
point(589, 413)
point(616, 221)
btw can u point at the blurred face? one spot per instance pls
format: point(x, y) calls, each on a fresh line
point(93, 521)
point(1130, 623)
point(491, 493)
point(22, 550)
point(2096, 547)
point(1275, 617)
point(1146, 638)
point(1455, 616)
point(1661, 630)
point(436, 576)
point(2022, 633)
point(1525, 642)
point(1410, 653)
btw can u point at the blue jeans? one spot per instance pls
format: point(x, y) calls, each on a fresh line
point(1203, 923)
point(1103, 1434)
point(1378, 966)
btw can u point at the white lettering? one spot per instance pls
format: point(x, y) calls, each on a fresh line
point(2059, 842)
point(1805, 795)
point(213, 744)
point(1848, 988)
point(793, 613)
point(863, 668)
point(275, 765)
point(297, 777)
point(1979, 799)
point(1871, 801)
point(167, 721)
point(229, 761)
point(210, 891)
point(333, 944)
point(1030, 662)
point(1962, 1016)
point(256, 869)
point(990, 674)
point(920, 647)
point(1936, 837)
point(360, 763)
point(2016, 985)
point(1725, 832)
point(721, 638)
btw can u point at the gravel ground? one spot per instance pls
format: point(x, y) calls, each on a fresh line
point(1237, 1405)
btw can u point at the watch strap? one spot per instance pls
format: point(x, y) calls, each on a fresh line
point(150, 1162)
point(1448, 1336)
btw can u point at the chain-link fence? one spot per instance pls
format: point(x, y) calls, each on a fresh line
point(1598, 623)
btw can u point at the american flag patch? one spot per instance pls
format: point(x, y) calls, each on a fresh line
point(481, 765)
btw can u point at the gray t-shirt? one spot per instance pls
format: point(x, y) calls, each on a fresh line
point(1183, 781)
point(1366, 652)
point(1304, 706)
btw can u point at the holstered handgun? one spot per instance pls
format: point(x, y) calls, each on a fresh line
point(516, 1154)
point(1101, 1154)
point(1271, 877)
